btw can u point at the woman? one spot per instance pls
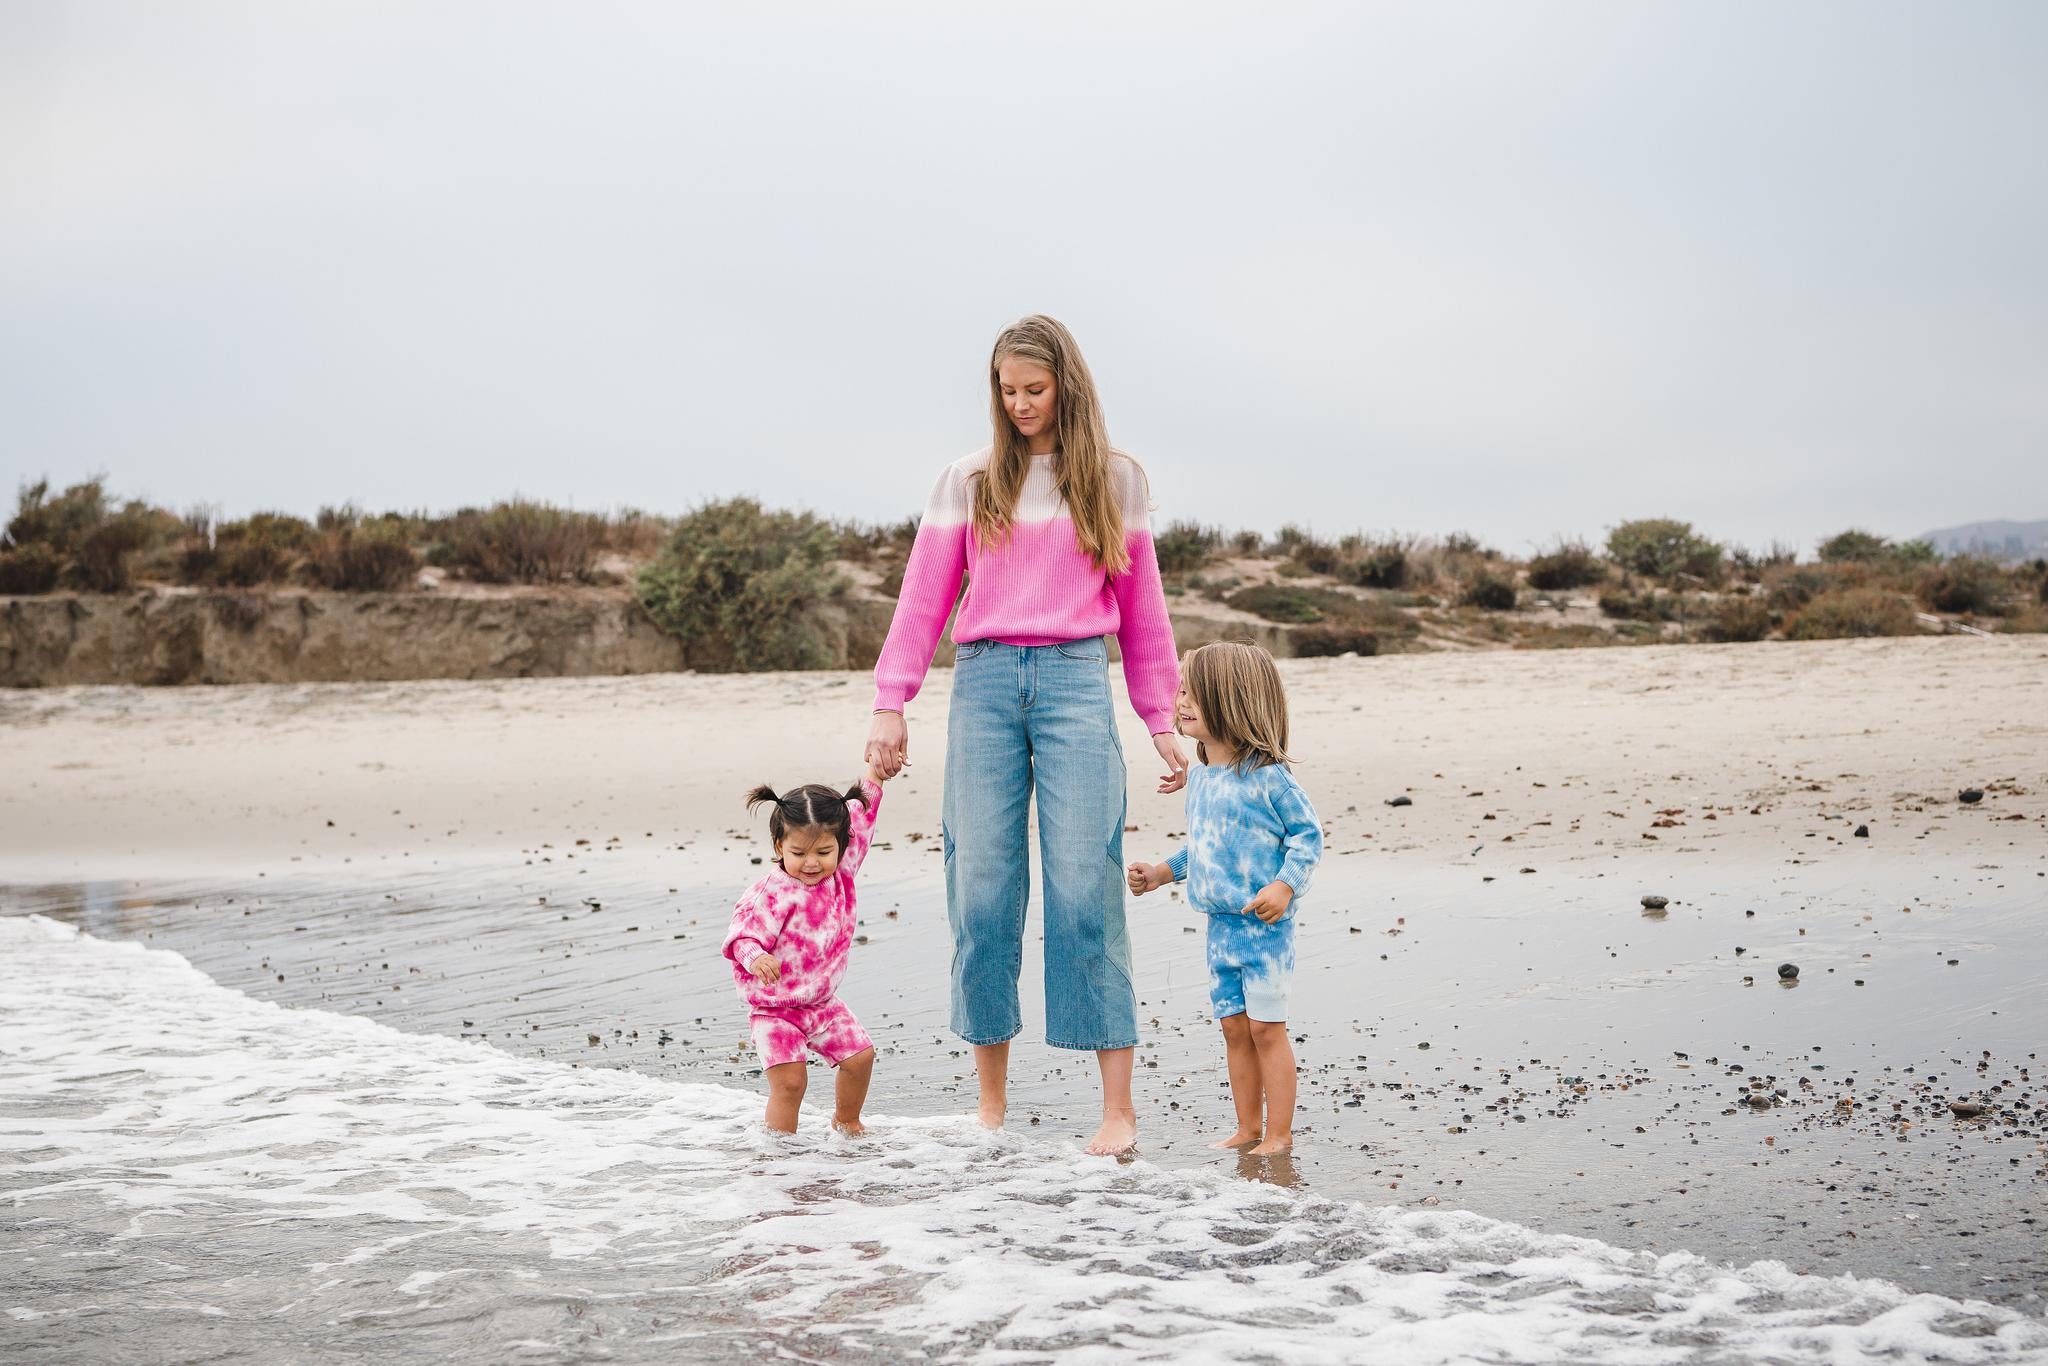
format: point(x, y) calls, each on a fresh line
point(1051, 530)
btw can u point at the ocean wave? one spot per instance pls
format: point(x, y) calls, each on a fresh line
point(176, 1157)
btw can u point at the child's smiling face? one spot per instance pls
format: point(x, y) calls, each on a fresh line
point(810, 855)
point(1187, 717)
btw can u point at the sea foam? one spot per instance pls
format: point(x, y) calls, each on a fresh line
point(178, 1161)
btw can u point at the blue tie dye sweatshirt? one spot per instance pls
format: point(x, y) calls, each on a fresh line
point(1244, 831)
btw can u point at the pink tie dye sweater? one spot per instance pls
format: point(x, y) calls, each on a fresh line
point(1036, 588)
point(809, 928)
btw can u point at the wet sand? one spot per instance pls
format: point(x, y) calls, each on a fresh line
point(1486, 1016)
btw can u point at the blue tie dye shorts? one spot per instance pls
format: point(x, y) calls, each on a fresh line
point(1251, 966)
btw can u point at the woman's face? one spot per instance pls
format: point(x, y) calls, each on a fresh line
point(1030, 396)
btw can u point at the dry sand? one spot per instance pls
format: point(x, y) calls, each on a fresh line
point(1484, 1015)
point(1573, 753)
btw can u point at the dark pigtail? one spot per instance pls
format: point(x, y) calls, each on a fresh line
point(810, 807)
point(856, 793)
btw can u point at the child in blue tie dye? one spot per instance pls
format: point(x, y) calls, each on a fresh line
point(1253, 842)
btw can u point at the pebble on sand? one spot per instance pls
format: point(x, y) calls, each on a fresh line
point(1970, 796)
point(1655, 903)
point(1400, 801)
point(1788, 971)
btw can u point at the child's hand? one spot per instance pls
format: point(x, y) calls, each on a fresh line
point(1147, 877)
point(767, 967)
point(1272, 902)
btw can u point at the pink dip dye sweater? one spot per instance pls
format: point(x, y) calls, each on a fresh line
point(1036, 588)
point(809, 928)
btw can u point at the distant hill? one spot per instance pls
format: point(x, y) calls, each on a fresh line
point(1999, 540)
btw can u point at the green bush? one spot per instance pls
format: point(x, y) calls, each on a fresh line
point(1572, 564)
point(1329, 639)
point(747, 578)
point(1853, 612)
point(1490, 591)
point(1739, 619)
point(1646, 606)
point(350, 557)
point(1373, 563)
point(28, 569)
point(522, 542)
point(1184, 546)
point(1661, 547)
point(1967, 584)
point(61, 523)
point(100, 561)
point(1277, 602)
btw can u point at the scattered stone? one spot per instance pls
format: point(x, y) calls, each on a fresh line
point(1788, 972)
point(1655, 903)
point(1400, 801)
point(1970, 796)
point(1862, 832)
point(1968, 1109)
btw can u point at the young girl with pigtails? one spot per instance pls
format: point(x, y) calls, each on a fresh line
point(789, 940)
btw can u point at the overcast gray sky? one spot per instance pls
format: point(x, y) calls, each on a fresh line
point(1519, 269)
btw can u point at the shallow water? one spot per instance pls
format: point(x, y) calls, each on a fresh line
point(193, 1174)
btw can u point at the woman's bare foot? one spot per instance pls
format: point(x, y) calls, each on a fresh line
point(991, 1114)
point(852, 1128)
point(1237, 1139)
point(1118, 1135)
point(1279, 1143)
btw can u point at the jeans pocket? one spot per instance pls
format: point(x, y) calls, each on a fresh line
point(945, 842)
point(1090, 650)
point(973, 649)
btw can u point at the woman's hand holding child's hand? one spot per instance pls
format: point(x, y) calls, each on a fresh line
point(1272, 902)
point(767, 967)
point(1148, 877)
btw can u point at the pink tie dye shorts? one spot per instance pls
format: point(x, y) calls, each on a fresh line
point(782, 1033)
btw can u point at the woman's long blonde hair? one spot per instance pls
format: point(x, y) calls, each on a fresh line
point(1237, 689)
point(1080, 466)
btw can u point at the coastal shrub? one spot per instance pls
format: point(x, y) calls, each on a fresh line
point(1853, 612)
point(29, 569)
point(1743, 618)
point(751, 579)
point(1967, 584)
point(520, 541)
point(1277, 602)
point(1568, 636)
point(1649, 605)
point(1570, 564)
point(1330, 639)
point(1465, 543)
point(1246, 542)
point(351, 557)
point(1488, 591)
point(1184, 546)
point(1372, 562)
point(1660, 547)
point(1854, 544)
point(61, 523)
point(100, 561)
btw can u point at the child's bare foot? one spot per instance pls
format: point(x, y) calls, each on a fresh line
point(1118, 1134)
point(1279, 1143)
point(991, 1114)
point(1238, 1139)
point(852, 1128)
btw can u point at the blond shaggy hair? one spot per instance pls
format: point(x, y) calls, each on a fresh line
point(1236, 687)
point(1081, 465)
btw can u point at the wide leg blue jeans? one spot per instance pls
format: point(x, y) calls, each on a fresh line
point(1024, 719)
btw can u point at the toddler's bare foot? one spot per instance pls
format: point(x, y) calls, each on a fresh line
point(852, 1128)
point(1118, 1134)
point(991, 1114)
point(1238, 1139)
point(1279, 1143)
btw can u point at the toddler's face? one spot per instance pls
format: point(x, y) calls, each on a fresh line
point(1187, 717)
point(810, 856)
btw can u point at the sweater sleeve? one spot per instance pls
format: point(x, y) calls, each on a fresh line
point(1144, 632)
point(1302, 829)
point(931, 585)
point(756, 925)
point(1178, 864)
point(860, 826)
